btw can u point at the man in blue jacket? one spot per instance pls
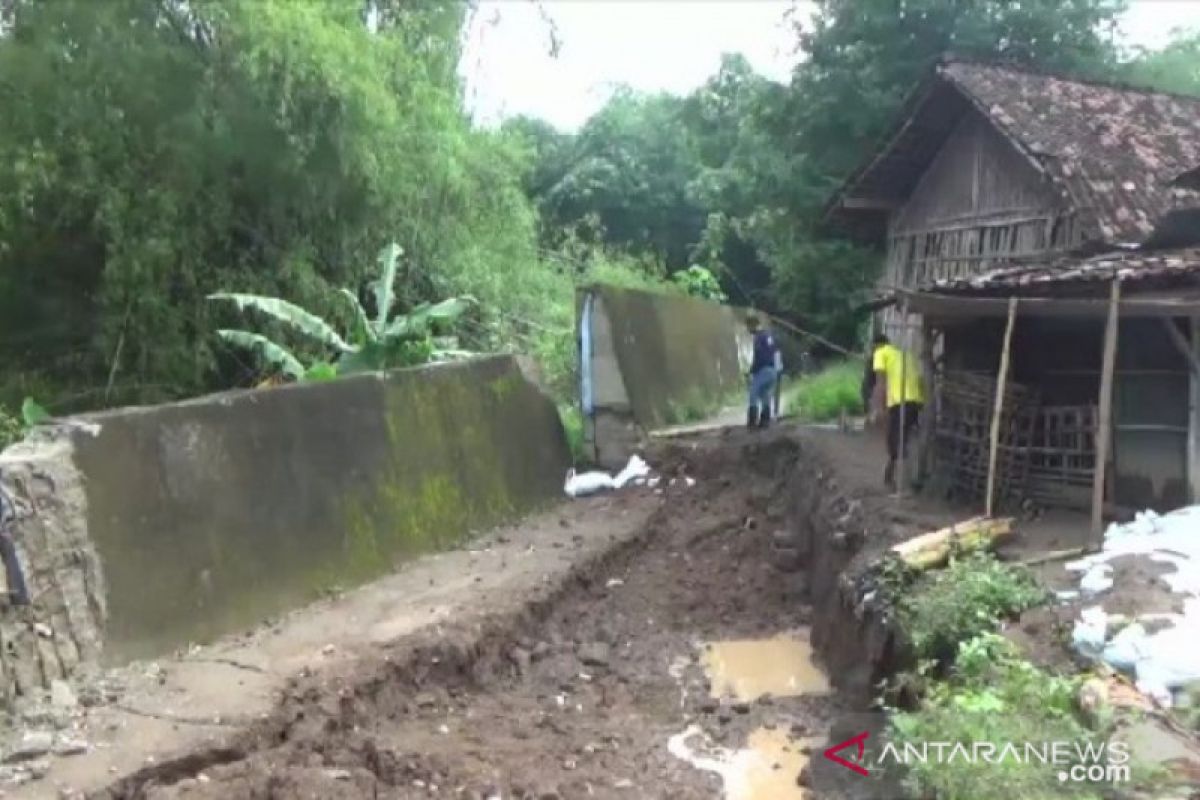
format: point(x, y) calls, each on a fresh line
point(764, 372)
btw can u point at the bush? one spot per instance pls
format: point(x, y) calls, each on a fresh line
point(700, 282)
point(966, 599)
point(823, 396)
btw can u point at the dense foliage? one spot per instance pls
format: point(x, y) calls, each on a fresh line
point(154, 152)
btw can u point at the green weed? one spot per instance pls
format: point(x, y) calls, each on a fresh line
point(993, 696)
point(971, 596)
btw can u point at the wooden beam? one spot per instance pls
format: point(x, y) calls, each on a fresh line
point(951, 307)
point(837, 348)
point(998, 407)
point(1182, 345)
point(1104, 424)
point(901, 454)
point(869, 204)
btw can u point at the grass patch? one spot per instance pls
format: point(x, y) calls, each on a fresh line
point(824, 395)
point(572, 422)
point(968, 598)
point(993, 696)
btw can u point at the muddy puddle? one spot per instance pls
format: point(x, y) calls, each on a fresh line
point(750, 669)
point(765, 769)
point(745, 671)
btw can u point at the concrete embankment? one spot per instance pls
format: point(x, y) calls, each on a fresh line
point(142, 530)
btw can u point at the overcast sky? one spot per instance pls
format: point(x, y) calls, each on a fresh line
point(657, 45)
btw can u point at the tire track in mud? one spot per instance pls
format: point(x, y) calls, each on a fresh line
point(574, 693)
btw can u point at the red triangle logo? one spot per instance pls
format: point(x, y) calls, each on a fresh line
point(858, 742)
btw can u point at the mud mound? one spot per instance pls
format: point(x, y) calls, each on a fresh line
point(571, 694)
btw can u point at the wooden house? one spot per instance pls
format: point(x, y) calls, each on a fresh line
point(1020, 211)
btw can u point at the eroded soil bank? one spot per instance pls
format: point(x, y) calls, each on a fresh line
point(578, 695)
point(581, 692)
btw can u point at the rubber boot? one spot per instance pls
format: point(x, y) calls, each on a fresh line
point(764, 419)
point(752, 417)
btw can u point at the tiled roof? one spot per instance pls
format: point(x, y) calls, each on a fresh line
point(1190, 179)
point(1115, 150)
point(1165, 268)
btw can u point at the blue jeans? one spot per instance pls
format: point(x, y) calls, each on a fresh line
point(762, 389)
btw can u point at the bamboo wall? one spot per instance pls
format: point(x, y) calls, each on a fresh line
point(978, 204)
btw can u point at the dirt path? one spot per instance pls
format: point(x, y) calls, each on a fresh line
point(579, 695)
point(148, 712)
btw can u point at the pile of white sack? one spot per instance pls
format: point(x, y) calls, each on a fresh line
point(636, 473)
point(1164, 661)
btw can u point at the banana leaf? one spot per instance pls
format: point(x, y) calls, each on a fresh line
point(420, 318)
point(304, 321)
point(363, 330)
point(385, 287)
point(268, 351)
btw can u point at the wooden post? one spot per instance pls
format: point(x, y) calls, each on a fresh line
point(901, 460)
point(998, 408)
point(929, 412)
point(1104, 424)
point(1182, 345)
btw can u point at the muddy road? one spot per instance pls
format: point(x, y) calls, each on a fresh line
point(601, 692)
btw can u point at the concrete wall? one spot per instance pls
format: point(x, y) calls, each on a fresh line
point(178, 523)
point(653, 355)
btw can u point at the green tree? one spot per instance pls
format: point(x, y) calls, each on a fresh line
point(628, 168)
point(864, 57)
point(1174, 68)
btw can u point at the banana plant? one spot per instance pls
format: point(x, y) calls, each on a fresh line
point(384, 341)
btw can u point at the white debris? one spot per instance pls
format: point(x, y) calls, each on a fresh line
point(636, 472)
point(636, 468)
point(613, 583)
point(1096, 580)
point(1090, 631)
point(1166, 659)
point(583, 484)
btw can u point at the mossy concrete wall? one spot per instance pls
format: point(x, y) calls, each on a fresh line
point(210, 515)
point(656, 358)
point(672, 350)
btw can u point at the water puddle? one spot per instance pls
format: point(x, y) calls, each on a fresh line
point(766, 769)
point(749, 669)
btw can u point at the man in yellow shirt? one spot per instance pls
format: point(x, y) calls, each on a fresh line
point(897, 386)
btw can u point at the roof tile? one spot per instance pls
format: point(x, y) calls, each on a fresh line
point(1116, 148)
point(1163, 267)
